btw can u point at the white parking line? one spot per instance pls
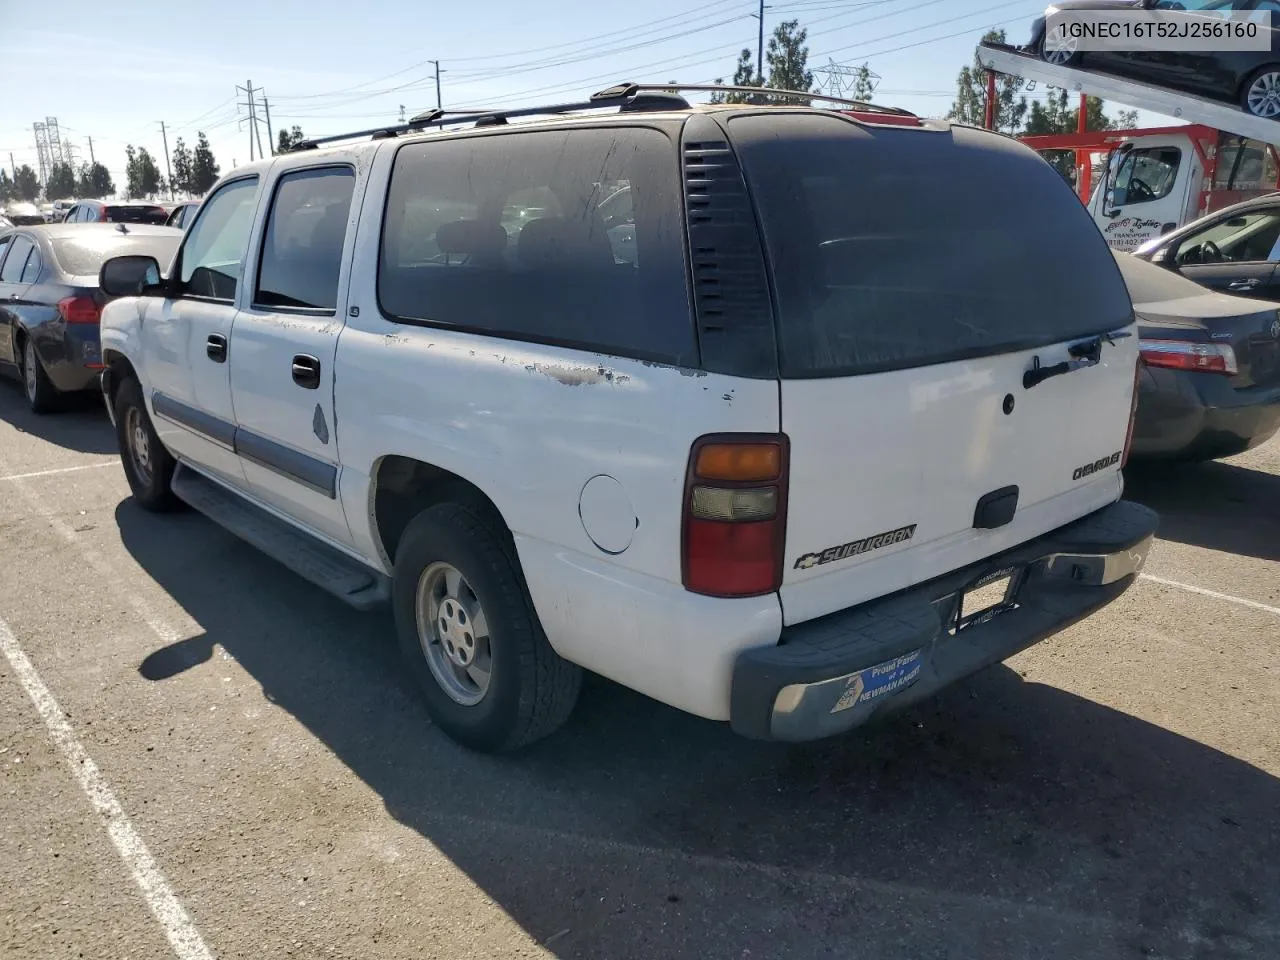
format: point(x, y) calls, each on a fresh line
point(49, 473)
point(1225, 597)
point(165, 907)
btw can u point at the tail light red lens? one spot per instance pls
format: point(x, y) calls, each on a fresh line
point(1180, 355)
point(735, 515)
point(79, 309)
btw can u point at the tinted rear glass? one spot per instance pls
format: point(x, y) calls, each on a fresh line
point(83, 256)
point(157, 215)
point(902, 248)
point(569, 236)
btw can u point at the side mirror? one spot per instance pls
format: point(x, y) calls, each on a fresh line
point(130, 276)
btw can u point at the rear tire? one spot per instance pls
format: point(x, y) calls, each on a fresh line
point(1260, 94)
point(42, 395)
point(148, 466)
point(469, 634)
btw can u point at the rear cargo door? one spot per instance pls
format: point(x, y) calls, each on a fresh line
point(918, 276)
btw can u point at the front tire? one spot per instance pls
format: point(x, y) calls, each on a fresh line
point(469, 635)
point(148, 466)
point(1260, 94)
point(42, 395)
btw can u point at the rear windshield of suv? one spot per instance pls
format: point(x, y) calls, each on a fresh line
point(137, 214)
point(901, 248)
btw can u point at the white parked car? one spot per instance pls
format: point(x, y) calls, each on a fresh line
point(792, 433)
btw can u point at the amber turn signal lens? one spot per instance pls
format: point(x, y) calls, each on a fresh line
point(739, 461)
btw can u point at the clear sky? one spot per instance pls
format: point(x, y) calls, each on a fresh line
point(113, 70)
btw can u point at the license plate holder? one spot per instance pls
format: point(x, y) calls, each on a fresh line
point(987, 598)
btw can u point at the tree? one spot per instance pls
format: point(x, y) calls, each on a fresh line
point(970, 104)
point(94, 181)
point(744, 75)
point(6, 186)
point(26, 185)
point(141, 172)
point(288, 139)
point(61, 182)
point(788, 60)
point(181, 159)
point(1125, 120)
point(864, 86)
point(204, 169)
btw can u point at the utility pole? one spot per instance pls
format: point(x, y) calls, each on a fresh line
point(760, 45)
point(271, 137)
point(437, 66)
point(92, 160)
point(253, 117)
point(13, 166)
point(168, 170)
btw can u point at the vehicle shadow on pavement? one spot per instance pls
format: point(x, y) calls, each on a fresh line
point(1220, 506)
point(79, 424)
point(1005, 819)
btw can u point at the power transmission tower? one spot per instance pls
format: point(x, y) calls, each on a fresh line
point(842, 78)
point(168, 170)
point(49, 147)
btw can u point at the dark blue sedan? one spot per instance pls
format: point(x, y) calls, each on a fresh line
point(50, 303)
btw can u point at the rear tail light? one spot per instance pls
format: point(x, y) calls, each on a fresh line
point(735, 515)
point(1133, 413)
point(1181, 355)
point(79, 309)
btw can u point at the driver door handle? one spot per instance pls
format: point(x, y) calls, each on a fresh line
point(306, 371)
point(1249, 284)
point(216, 348)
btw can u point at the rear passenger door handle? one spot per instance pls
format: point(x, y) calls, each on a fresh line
point(1244, 284)
point(306, 371)
point(216, 348)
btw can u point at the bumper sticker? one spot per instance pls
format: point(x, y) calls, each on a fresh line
point(880, 680)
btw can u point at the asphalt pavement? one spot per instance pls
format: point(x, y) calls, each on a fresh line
point(203, 756)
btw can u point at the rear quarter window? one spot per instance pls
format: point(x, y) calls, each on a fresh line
point(570, 236)
point(895, 248)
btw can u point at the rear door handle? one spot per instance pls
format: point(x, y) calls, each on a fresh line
point(1250, 284)
point(216, 348)
point(306, 371)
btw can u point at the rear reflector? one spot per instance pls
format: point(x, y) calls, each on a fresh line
point(734, 515)
point(1182, 355)
point(79, 309)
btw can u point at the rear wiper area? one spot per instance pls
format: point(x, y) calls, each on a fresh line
point(1084, 353)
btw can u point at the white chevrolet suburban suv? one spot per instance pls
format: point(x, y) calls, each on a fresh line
point(753, 409)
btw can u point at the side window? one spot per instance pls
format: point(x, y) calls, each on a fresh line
point(31, 272)
point(16, 261)
point(1246, 237)
point(570, 237)
point(1146, 174)
point(213, 252)
point(302, 247)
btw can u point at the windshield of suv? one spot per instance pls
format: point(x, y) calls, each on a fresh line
point(894, 248)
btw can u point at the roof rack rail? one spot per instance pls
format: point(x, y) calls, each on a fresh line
point(625, 102)
point(634, 89)
point(626, 97)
